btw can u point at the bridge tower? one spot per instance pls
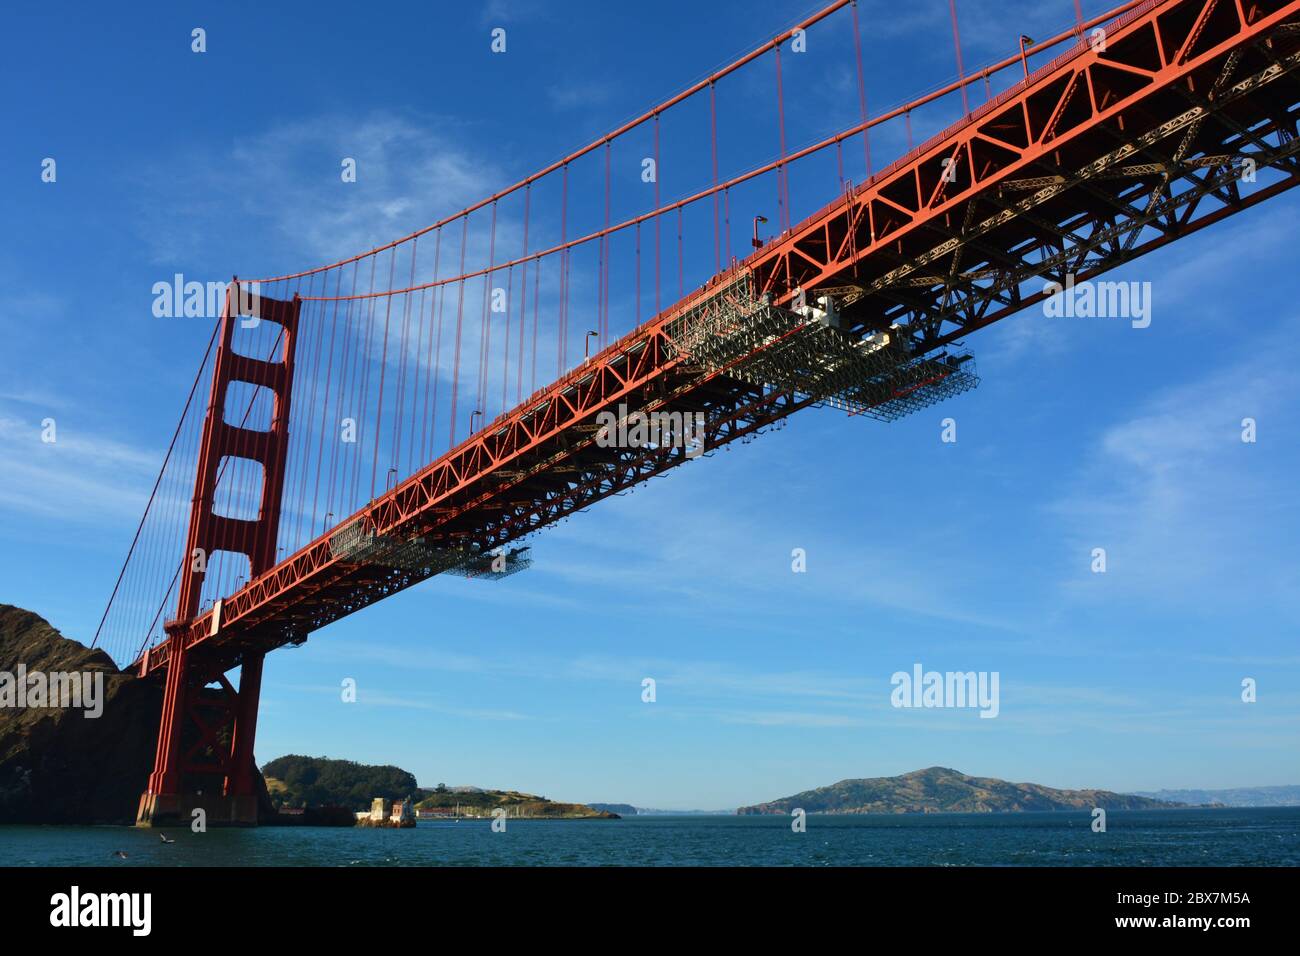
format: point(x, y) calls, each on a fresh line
point(204, 755)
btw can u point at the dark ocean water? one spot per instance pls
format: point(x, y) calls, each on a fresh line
point(1226, 837)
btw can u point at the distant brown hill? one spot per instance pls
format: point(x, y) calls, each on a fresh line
point(941, 790)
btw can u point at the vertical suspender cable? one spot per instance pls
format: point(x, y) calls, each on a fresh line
point(713, 140)
point(485, 337)
point(726, 219)
point(460, 316)
point(681, 266)
point(609, 253)
point(523, 297)
point(862, 90)
point(562, 340)
point(505, 349)
point(435, 373)
point(956, 42)
point(658, 218)
point(325, 403)
point(537, 285)
point(602, 304)
point(161, 471)
point(412, 460)
point(383, 370)
point(363, 396)
point(401, 376)
point(782, 181)
point(345, 386)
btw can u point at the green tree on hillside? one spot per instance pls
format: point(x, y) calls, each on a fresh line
point(319, 781)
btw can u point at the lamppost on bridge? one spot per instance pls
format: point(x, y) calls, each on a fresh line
point(325, 525)
point(471, 419)
point(758, 243)
point(1024, 57)
point(586, 345)
point(392, 473)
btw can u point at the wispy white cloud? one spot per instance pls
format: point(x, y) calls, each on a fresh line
point(284, 186)
point(1180, 503)
point(381, 699)
point(579, 94)
point(790, 719)
point(77, 477)
point(691, 677)
point(38, 398)
point(369, 697)
point(731, 558)
point(505, 12)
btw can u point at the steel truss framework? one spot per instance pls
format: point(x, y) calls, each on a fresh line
point(492, 566)
point(806, 353)
point(1107, 154)
point(1102, 156)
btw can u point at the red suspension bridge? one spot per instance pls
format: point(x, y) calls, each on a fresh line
point(377, 421)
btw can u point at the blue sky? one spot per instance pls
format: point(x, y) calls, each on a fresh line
point(972, 555)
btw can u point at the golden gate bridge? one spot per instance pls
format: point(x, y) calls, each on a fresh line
point(367, 422)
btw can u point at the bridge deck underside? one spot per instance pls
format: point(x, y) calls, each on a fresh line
point(1111, 155)
point(1096, 161)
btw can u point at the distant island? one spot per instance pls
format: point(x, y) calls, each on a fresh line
point(296, 782)
point(622, 809)
point(481, 803)
point(627, 810)
point(942, 790)
point(1234, 797)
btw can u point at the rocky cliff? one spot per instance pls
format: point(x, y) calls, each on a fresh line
point(56, 764)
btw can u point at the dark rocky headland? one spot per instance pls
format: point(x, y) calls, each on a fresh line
point(56, 764)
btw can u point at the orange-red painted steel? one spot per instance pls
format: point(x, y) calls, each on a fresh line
point(878, 235)
point(1110, 151)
